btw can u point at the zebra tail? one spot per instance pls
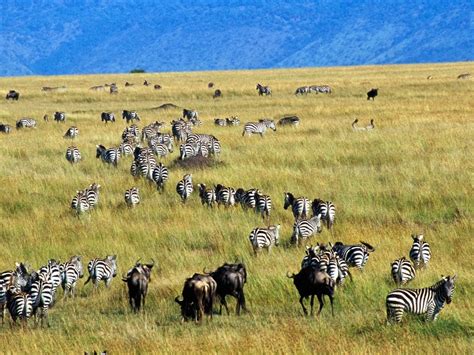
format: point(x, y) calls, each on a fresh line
point(87, 281)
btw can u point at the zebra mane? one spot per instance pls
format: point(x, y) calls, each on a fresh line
point(438, 284)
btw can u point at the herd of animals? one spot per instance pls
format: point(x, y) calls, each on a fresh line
point(26, 292)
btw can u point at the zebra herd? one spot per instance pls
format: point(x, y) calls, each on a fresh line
point(304, 90)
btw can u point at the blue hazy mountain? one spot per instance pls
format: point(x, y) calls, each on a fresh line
point(65, 37)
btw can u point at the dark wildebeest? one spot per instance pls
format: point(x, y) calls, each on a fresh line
point(263, 90)
point(198, 293)
point(372, 93)
point(210, 85)
point(231, 279)
point(289, 121)
point(217, 94)
point(13, 95)
point(128, 84)
point(137, 280)
point(46, 118)
point(157, 87)
point(146, 83)
point(312, 282)
point(107, 117)
point(130, 116)
point(60, 117)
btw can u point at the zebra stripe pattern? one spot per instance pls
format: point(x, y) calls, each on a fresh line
point(303, 90)
point(323, 89)
point(130, 116)
point(109, 156)
point(247, 198)
point(80, 202)
point(305, 228)
point(326, 209)
point(184, 188)
point(144, 163)
point(162, 150)
point(102, 269)
point(225, 195)
point(263, 90)
point(181, 129)
point(208, 196)
point(51, 273)
point(420, 252)
point(5, 128)
point(72, 132)
point(73, 155)
point(126, 148)
point(132, 197)
point(42, 295)
point(72, 271)
point(160, 176)
point(299, 206)
point(261, 238)
point(107, 117)
point(26, 123)
point(187, 151)
point(354, 255)
point(258, 127)
point(402, 271)
point(263, 205)
point(60, 117)
point(19, 305)
point(428, 301)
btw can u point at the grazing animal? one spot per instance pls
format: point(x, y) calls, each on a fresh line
point(231, 279)
point(217, 94)
point(210, 85)
point(303, 90)
point(372, 93)
point(144, 163)
point(323, 89)
point(326, 210)
point(59, 117)
point(146, 83)
point(92, 194)
point(258, 127)
point(198, 294)
point(220, 122)
point(132, 197)
point(107, 117)
point(126, 148)
point(299, 206)
point(190, 115)
point(311, 282)
point(157, 87)
point(42, 294)
point(247, 199)
point(356, 128)
point(13, 95)
point(5, 128)
point(305, 228)
point(187, 150)
point(264, 237)
point(181, 129)
point(263, 90)
point(25, 123)
point(402, 271)
point(72, 132)
point(12, 280)
point(225, 195)
point(130, 116)
point(137, 280)
point(113, 89)
point(420, 252)
point(51, 272)
point(184, 188)
point(80, 202)
point(354, 255)
point(160, 176)
point(428, 301)
point(73, 155)
point(289, 121)
point(102, 269)
point(109, 156)
point(72, 271)
point(263, 205)
point(208, 196)
point(464, 76)
point(19, 305)
point(232, 121)
point(162, 149)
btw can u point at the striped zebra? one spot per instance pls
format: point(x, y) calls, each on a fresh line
point(126, 149)
point(42, 296)
point(132, 133)
point(71, 133)
point(258, 127)
point(160, 176)
point(51, 272)
point(73, 155)
point(80, 202)
point(151, 130)
point(19, 304)
point(220, 122)
point(92, 194)
point(208, 196)
point(303, 90)
point(26, 123)
point(132, 197)
point(72, 271)
point(102, 269)
point(109, 156)
point(402, 271)
point(323, 89)
point(263, 205)
point(326, 209)
point(161, 149)
point(420, 252)
point(59, 117)
point(187, 151)
point(263, 90)
point(5, 128)
point(354, 255)
point(289, 121)
point(335, 266)
point(224, 195)
point(184, 188)
point(214, 146)
point(428, 301)
point(12, 279)
point(107, 117)
point(232, 121)
point(181, 129)
point(261, 238)
point(247, 199)
point(305, 228)
point(130, 116)
point(299, 206)
point(144, 163)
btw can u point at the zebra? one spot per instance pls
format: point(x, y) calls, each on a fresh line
point(323, 89)
point(80, 202)
point(258, 127)
point(224, 195)
point(19, 304)
point(109, 156)
point(151, 130)
point(5, 128)
point(60, 117)
point(132, 197)
point(214, 146)
point(335, 266)
point(428, 301)
point(402, 271)
point(144, 163)
point(132, 132)
point(126, 149)
point(289, 121)
point(220, 122)
point(102, 269)
point(305, 228)
point(208, 196)
point(107, 117)
point(354, 255)
point(303, 90)
point(130, 116)
point(356, 128)
point(42, 295)
point(263, 205)
point(232, 121)
point(51, 272)
point(15, 280)
point(113, 88)
point(299, 206)
point(160, 176)
point(247, 198)
point(184, 188)
point(72, 132)
point(263, 90)
point(26, 123)
point(264, 237)
point(187, 150)
point(190, 115)
point(420, 252)
point(161, 149)
point(326, 209)
point(73, 155)
point(180, 129)
point(72, 270)
point(92, 194)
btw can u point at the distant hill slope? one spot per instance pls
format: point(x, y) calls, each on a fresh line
point(64, 37)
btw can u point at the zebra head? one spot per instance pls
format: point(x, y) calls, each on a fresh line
point(77, 261)
point(289, 198)
point(99, 150)
point(317, 220)
point(447, 288)
point(417, 238)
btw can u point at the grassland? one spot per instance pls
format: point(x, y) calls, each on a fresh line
point(413, 173)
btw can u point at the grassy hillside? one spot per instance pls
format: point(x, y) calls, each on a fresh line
point(413, 173)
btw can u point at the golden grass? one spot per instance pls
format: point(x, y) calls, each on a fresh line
point(413, 173)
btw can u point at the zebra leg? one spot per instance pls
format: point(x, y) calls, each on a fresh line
point(302, 305)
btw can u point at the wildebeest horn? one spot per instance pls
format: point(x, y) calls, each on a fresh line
point(288, 275)
point(204, 270)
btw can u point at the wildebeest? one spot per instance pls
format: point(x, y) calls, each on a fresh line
point(59, 117)
point(289, 121)
point(312, 282)
point(128, 84)
point(146, 83)
point(130, 116)
point(46, 118)
point(231, 279)
point(263, 90)
point(4, 128)
point(12, 95)
point(157, 87)
point(137, 280)
point(107, 117)
point(210, 85)
point(199, 292)
point(217, 94)
point(372, 93)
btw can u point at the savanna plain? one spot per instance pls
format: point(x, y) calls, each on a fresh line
point(412, 174)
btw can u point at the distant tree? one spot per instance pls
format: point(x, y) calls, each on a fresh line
point(137, 70)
